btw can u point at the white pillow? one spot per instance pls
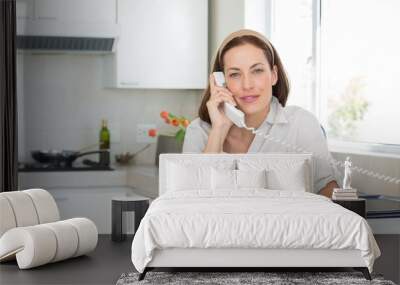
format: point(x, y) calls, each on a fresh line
point(223, 179)
point(251, 178)
point(187, 177)
point(291, 178)
point(229, 179)
point(282, 174)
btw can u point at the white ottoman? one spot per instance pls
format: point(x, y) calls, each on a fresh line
point(31, 233)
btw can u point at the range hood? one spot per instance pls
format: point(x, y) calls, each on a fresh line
point(64, 43)
point(42, 36)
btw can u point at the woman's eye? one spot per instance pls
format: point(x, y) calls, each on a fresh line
point(259, 70)
point(234, 74)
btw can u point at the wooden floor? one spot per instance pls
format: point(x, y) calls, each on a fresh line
point(111, 259)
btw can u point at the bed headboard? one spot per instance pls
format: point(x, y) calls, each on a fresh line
point(211, 158)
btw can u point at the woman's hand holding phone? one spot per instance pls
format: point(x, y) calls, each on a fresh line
point(219, 95)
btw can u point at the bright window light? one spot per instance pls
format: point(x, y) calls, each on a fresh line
point(342, 57)
point(360, 59)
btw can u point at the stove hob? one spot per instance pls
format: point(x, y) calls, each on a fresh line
point(43, 167)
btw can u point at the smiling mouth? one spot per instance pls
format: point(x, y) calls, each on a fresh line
point(248, 99)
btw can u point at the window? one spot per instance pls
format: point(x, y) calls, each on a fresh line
point(359, 70)
point(342, 57)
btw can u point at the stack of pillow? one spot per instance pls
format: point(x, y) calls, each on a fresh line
point(234, 175)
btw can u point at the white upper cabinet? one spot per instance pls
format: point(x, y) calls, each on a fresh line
point(162, 45)
point(95, 18)
point(76, 11)
point(24, 10)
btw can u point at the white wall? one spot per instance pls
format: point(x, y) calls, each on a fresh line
point(226, 16)
point(258, 16)
point(62, 102)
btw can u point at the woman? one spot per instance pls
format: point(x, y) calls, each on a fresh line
point(256, 83)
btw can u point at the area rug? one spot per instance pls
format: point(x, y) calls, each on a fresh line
point(229, 278)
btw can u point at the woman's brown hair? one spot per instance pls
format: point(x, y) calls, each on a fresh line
point(280, 90)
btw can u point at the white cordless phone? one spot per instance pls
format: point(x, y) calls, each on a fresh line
point(234, 114)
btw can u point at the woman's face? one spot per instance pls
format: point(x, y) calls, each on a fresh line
point(249, 77)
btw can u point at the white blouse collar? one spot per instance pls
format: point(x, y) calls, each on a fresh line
point(276, 114)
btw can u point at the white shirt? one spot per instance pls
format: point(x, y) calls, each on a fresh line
point(293, 125)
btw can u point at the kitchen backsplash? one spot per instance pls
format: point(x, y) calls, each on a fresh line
point(62, 101)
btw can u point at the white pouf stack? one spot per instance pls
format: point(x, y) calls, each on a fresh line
point(31, 232)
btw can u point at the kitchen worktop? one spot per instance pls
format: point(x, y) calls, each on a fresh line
point(70, 179)
point(138, 176)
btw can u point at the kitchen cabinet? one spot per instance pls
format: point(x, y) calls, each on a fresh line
point(96, 18)
point(76, 11)
point(92, 203)
point(24, 10)
point(82, 193)
point(162, 45)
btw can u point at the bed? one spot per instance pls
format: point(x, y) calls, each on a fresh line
point(245, 211)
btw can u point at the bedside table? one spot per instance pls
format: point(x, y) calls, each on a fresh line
point(357, 206)
point(136, 203)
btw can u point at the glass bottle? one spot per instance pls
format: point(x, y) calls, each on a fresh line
point(104, 135)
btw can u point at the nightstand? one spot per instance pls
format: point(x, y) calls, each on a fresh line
point(136, 203)
point(357, 206)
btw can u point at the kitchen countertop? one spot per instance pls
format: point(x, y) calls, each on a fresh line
point(72, 179)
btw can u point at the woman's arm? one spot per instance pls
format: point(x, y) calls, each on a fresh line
point(216, 140)
point(311, 138)
point(328, 189)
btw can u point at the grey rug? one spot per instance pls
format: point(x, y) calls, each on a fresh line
point(228, 278)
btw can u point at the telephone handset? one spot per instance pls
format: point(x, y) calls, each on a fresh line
point(234, 114)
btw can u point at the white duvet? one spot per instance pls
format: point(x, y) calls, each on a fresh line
point(252, 218)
